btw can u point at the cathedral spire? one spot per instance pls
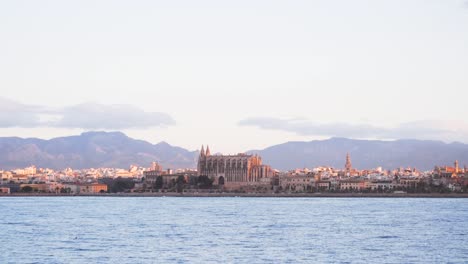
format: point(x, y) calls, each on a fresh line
point(207, 153)
point(202, 151)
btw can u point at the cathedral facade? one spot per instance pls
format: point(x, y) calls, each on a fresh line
point(233, 170)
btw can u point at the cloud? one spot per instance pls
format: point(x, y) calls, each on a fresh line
point(95, 116)
point(16, 114)
point(86, 116)
point(435, 130)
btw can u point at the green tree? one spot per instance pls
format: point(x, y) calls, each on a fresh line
point(121, 185)
point(158, 183)
point(180, 182)
point(27, 189)
point(204, 182)
point(181, 179)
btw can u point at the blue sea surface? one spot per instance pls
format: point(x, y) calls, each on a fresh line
point(232, 230)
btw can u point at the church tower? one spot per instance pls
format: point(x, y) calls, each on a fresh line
point(348, 165)
point(207, 153)
point(456, 167)
point(202, 151)
point(201, 160)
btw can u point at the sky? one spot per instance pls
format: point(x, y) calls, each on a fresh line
point(237, 75)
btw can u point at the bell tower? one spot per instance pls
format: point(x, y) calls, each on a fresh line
point(348, 165)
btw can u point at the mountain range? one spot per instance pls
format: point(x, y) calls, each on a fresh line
point(365, 154)
point(91, 150)
point(115, 149)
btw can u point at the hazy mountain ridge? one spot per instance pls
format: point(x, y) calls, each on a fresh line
point(91, 149)
point(422, 154)
point(115, 149)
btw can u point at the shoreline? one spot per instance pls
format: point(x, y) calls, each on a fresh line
point(250, 195)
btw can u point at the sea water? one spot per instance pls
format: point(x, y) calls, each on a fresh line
point(232, 230)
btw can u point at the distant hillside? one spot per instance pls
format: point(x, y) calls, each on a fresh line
point(421, 154)
point(91, 150)
point(114, 149)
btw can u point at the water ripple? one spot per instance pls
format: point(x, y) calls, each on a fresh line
point(232, 230)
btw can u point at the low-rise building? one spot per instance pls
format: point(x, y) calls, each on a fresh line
point(410, 183)
point(381, 185)
point(92, 188)
point(85, 188)
point(353, 185)
point(323, 185)
point(298, 183)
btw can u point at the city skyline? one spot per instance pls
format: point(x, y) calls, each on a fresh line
point(247, 131)
point(115, 149)
point(241, 76)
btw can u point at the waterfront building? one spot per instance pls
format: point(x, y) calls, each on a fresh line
point(410, 182)
point(92, 188)
point(86, 188)
point(381, 185)
point(323, 185)
point(167, 180)
point(232, 170)
point(297, 183)
point(350, 185)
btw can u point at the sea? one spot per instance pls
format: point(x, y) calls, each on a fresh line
point(233, 230)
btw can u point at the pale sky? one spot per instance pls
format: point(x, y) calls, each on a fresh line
point(236, 75)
